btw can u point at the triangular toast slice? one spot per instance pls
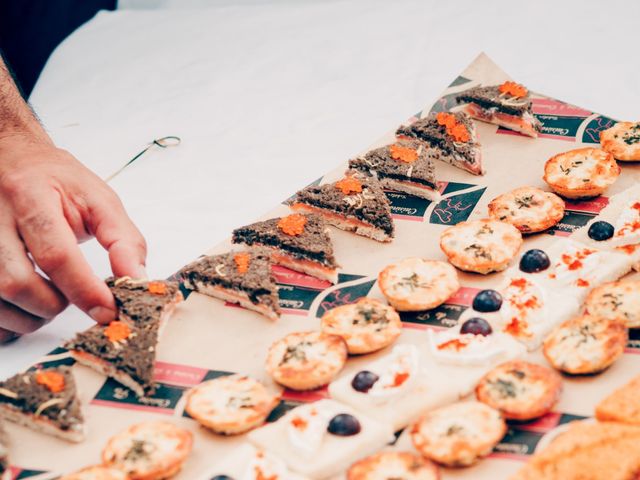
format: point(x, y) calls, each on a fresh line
point(451, 137)
point(623, 405)
point(300, 242)
point(244, 278)
point(121, 351)
point(356, 203)
point(508, 105)
point(44, 400)
point(144, 302)
point(404, 166)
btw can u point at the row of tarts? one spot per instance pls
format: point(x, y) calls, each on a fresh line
point(419, 383)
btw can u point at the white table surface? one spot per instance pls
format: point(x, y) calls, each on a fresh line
point(269, 95)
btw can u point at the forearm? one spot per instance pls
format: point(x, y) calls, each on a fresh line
point(16, 118)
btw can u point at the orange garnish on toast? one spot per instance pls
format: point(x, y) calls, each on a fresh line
point(453, 127)
point(117, 331)
point(157, 288)
point(514, 89)
point(292, 224)
point(349, 185)
point(403, 154)
point(53, 381)
point(242, 262)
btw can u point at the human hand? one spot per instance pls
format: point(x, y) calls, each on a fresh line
point(48, 203)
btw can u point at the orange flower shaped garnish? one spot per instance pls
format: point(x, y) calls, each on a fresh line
point(242, 262)
point(459, 133)
point(292, 224)
point(446, 119)
point(454, 128)
point(349, 185)
point(53, 381)
point(117, 331)
point(514, 89)
point(157, 288)
point(403, 154)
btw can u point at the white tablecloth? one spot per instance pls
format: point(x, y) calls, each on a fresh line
point(268, 95)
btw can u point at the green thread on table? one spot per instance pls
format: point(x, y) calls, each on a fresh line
point(164, 142)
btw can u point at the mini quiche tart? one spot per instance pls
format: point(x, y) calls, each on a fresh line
point(231, 404)
point(416, 284)
point(458, 435)
point(387, 465)
point(306, 360)
point(366, 325)
point(529, 209)
point(481, 246)
point(149, 450)
point(585, 344)
point(520, 390)
point(581, 173)
point(97, 472)
point(622, 141)
point(616, 300)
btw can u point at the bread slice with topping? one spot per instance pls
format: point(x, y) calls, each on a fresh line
point(44, 400)
point(576, 268)
point(530, 309)
point(120, 351)
point(244, 278)
point(451, 138)
point(300, 242)
point(622, 141)
point(617, 227)
point(356, 203)
point(144, 302)
point(394, 389)
point(623, 405)
point(250, 463)
point(587, 450)
point(405, 166)
point(97, 472)
point(321, 439)
point(508, 105)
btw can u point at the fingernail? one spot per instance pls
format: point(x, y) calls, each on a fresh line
point(102, 314)
point(141, 272)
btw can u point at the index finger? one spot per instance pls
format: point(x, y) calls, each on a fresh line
point(54, 248)
point(116, 232)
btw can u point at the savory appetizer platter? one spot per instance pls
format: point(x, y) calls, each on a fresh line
point(489, 333)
